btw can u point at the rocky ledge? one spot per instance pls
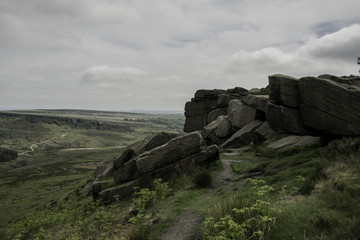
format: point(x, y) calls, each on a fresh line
point(295, 112)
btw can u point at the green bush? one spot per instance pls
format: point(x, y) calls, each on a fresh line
point(244, 223)
point(202, 177)
point(342, 149)
point(142, 199)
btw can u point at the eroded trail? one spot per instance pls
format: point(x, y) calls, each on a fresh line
point(188, 225)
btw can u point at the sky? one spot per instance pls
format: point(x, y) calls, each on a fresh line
point(125, 55)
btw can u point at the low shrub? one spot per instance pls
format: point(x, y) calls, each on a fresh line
point(244, 223)
point(202, 178)
point(142, 199)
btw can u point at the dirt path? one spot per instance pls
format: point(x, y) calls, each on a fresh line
point(33, 147)
point(226, 176)
point(187, 227)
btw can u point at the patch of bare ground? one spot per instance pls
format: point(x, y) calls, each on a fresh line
point(188, 225)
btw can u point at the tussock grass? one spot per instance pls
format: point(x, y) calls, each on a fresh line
point(202, 177)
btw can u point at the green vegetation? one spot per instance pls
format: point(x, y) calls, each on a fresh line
point(58, 151)
point(202, 177)
point(142, 199)
point(298, 193)
point(248, 222)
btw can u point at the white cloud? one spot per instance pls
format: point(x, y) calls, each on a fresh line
point(333, 53)
point(107, 50)
point(104, 73)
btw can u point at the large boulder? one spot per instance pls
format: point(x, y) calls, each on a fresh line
point(294, 141)
point(126, 172)
point(244, 136)
point(217, 131)
point(240, 114)
point(352, 80)
point(152, 141)
point(195, 123)
point(179, 155)
point(170, 152)
point(106, 168)
point(264, 133)
point(213, 115)
point(185, 165)
point(197, 110)
point(124, 158)
point(259, 102)
point(284, 90)
point(223, 100)
point(284, 119)
point(330, 106)
point(200, 110)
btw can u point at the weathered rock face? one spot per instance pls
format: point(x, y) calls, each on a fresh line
point(213, 115)
point(294, 141)
point(217, 131)
point(244, 136)
point(167, 172)
point(170, 152)
point(180, 154)
point(324, 105)
point(124, 158)
point(283, 113)
point(264, 133)
point(284, 90)
point(106, 168)
point(152, 141)
point(206, 101)
point(330, 106)
point(240, 114)
point(285, 119)
point(258, 102)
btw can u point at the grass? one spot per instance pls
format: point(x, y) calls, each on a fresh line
point(68, 145)
point(316, 190)
point(202, 177)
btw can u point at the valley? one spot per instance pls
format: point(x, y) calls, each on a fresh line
point(58, 151)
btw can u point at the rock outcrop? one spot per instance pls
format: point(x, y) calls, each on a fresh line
point(331, 106)
point(264, 133)
point(217, 131)
point(119, 174)
point(244, 136)
point(240, 114)
point(283, 111)
point(309, 105)
point(306, 108)
point(152, 141)
point(206, 101)
point(294, 141)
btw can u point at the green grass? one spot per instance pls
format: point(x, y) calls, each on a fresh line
point(316, 190)
point(68, 147)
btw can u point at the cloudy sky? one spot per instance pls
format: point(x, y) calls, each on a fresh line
point(154, 54)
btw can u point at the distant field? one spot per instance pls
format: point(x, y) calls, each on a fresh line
point(59, 150)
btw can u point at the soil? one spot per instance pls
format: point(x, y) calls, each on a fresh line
point(188, 225)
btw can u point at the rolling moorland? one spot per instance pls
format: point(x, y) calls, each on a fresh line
point(58, 151)
point(306, 192)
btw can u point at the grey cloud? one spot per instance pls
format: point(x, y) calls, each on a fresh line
point(343, 45)
point(48, 47)
point(334, 53)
